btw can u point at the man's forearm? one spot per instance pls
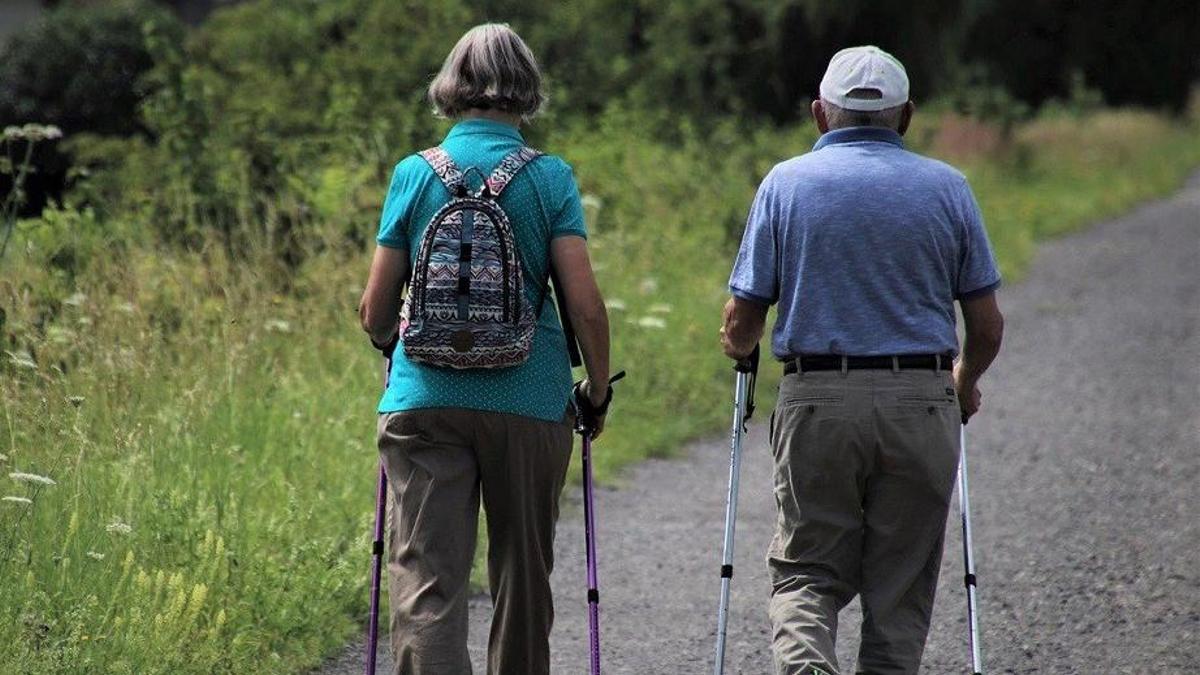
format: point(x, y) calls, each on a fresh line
point(979, 351)
point(984, 333)
point(742, 327)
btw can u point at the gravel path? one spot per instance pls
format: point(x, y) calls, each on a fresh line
point(1084, 467)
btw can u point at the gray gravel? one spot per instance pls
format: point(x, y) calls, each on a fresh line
point(1084, 468)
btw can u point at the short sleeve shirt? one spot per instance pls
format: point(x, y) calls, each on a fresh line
point(542, 203)
point(864, 246)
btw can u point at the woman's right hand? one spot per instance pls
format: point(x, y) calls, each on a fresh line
point(596, 395)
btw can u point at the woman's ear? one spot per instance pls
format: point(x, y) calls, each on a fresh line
point(818, 113)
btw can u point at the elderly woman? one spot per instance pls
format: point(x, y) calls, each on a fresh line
point(449, 435)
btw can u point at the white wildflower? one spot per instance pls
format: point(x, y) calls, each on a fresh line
point(124, 307)
point(651, 322)
point(76, 400)
point(95, 556)
point(278, 326)
point(3, 458)
point(38, 132)
point(591, 201)
point(12, 499)
point(615, 303)
point(22, 360)
point(648, 285)
point(660, 308)
point(118, 527)
point(75, 300)
point(13, 133)
point(23, 477)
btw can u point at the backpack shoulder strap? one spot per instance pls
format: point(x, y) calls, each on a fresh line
point(508, 168)
point(445, 168)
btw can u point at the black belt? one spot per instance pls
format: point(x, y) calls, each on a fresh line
point(903, 362)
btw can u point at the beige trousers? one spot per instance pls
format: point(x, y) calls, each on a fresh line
point(438, 463)
point(865, 465)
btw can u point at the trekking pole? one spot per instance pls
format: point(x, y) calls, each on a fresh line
point(377, 550)
point(582, 425)
point(964, 506)
point(593, 583)
point(743, 408)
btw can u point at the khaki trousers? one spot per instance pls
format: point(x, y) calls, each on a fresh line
point(438, 463)
point(865, 465)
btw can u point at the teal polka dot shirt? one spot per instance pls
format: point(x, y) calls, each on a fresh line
point(542, 204)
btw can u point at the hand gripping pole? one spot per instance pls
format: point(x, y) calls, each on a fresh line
point(743, 409)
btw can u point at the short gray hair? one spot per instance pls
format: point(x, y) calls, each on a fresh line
point(491, 68)
point(838, 117)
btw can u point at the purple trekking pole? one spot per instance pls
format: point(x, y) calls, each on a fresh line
point(377, 550)
point(589, 528)
point(585, 421)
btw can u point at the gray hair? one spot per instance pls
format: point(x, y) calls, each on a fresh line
point(838, 117)
point(491, 68)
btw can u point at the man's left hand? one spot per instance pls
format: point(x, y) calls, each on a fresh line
point(969, 398)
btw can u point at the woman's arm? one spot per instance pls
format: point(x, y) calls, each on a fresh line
point(379, 309)
point(589, 318)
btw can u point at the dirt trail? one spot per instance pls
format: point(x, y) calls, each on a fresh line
point(1084, 465)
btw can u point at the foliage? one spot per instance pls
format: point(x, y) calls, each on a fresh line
point(16, 165)
point(178, 350)
point(1134, 53)
point(79, 69)
point(276, 114)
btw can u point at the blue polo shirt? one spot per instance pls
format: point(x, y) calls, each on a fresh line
point(542, 203)
point(864, 246)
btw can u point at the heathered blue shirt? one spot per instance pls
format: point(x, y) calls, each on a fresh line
point(865, 246)
point(542, 203)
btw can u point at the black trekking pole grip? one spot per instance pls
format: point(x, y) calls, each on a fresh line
point(749, 363)
point(585, 412)
point(749, 367)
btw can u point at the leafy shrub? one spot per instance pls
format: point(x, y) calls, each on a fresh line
point(78, 68)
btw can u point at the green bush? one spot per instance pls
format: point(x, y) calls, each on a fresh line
point(79, 67)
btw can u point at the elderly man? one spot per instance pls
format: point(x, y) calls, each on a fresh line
point(865, 247)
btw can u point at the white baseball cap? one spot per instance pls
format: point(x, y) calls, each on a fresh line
point(876, 76)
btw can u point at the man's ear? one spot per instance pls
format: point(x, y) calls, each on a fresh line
point(818, 113)
point(906, 116)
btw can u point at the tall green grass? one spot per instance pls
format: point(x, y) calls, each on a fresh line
point(209, 428)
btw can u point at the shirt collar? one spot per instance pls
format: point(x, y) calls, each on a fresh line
point(859, 135)
point(478, 125)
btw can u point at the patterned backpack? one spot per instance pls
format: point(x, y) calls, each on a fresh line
point(466, 305)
